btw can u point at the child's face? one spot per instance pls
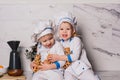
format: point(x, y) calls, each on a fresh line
point(47, 40)
point(65, 31)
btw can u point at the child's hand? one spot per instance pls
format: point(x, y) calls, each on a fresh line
point(44, 67)
point(53, 57)
point(32, 65)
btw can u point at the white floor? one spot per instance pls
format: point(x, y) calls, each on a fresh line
point(115, 75)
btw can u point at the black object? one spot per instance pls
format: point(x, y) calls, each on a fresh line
point(31, 54)
point(14, 68)
point(34, 51)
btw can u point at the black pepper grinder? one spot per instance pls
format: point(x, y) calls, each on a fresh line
point(14, 68)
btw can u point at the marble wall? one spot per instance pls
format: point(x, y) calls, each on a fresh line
point(98, 24)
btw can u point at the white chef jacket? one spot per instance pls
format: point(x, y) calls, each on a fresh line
point(57, 48)
point(80, 69)
point(53, 74)
point(75, 45)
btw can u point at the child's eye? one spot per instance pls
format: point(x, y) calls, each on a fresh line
point(51, 38)
point(44, 41)
point(61, 29)
point(68, 28)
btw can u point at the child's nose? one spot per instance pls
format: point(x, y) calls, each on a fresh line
point(64, 31)
point(48, 42)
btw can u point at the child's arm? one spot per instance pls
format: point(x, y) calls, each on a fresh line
point(44, 67)
point(72, 57)
point(57, 57)
point(76, 51)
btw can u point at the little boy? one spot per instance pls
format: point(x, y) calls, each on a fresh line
point(76, 68)
point(47, 45)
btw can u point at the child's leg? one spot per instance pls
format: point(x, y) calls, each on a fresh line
point(69, 76)
point(88, 75)
point(48, 75)
point(38, 76)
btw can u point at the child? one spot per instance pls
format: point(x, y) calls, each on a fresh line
point(76, 69)
point(43, 35)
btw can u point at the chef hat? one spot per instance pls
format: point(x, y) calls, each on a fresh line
point(43, 28)
point(65, 17)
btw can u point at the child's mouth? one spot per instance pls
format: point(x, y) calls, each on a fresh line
point(49, 45)
point(64, 35)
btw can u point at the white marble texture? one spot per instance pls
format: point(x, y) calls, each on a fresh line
point(99, 25)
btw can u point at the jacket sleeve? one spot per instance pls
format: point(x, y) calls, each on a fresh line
point(76, 49)
point(60, 51)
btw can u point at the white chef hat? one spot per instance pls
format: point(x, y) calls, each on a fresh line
point(65, 17)
point(43, 28)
